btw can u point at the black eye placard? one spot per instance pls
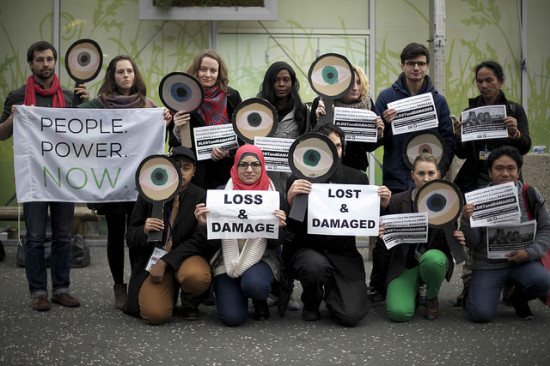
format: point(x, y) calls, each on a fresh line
point(443, 202)
point(179, 91)
point(254, 117)
point(158, 179)
point(83, 60)
point(425, 141)
point(313, 156)
point(331, 75)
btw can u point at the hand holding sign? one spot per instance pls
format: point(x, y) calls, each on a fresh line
point(83, 61)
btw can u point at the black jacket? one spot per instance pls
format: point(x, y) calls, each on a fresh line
point(187, 240)
point(474, 168)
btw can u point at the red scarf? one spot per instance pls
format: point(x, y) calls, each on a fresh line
point(261, 184)
point(214, 107)
point(32, 87)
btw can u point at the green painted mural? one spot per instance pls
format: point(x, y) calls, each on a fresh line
point(476, 30)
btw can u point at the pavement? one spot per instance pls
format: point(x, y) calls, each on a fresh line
point(98, 334)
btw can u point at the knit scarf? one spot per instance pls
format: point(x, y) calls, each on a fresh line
point(239, 257)
point(213, 110)
point(364, 103)
point(32, 88)
point(117, 101)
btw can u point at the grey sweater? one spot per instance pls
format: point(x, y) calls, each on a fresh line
point(476, 238)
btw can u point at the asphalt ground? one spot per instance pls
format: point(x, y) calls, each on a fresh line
point(98, 334)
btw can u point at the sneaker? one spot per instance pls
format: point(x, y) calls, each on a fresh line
point(190, 312)
point(294, 304)
point(65, 299)
point(311, 316)
point(431, 311)
point(272, 300)
point(520, 302)
point(261, 310)
point(40, 303)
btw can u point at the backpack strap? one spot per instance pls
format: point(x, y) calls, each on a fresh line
point(530, 200)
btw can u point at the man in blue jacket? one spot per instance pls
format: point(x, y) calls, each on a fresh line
point(414, 80)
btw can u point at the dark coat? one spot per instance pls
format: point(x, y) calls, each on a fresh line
point(340, 250)
point(355, 153)
point(210, 174)
point(396, 174)
point(187, 237)
point(402, 256)
point(474, 168)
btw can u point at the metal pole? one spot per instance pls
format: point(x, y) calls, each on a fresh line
point(372, 76)
point(55, 28)
point(523, 62)
point(437, 44)
point(213, 41)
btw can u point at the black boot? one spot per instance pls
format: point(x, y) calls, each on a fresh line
point(261, 310)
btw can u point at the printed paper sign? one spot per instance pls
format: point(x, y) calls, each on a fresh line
point(414, 114)
point(405, 228)
point(242, 214)
point(484, 123)
point(275, 152)
point(494, 205)
point(501, 240)
point(343, 209)
point(358, 124)
point(83, 155)
point(207, 138)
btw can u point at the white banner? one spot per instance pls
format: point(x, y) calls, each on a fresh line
point(405, 228)
point(275, 152)
point(358, 124)
point(343, 209)
point(494, 205)
point(414, 114)
point(208, 137)
point(83, 155)
point(242, 214)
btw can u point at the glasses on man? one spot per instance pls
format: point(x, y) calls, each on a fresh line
point(255, 165)
point(413, 63)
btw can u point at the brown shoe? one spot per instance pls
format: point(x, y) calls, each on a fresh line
point(432, 309)
point(66, 299)
point(40, 303)
point(121, 295)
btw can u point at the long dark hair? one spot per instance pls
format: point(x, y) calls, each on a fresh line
point(493, 66)
point(109, 86)
point(267, 91)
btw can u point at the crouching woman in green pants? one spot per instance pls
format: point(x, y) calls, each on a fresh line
point(412, 264)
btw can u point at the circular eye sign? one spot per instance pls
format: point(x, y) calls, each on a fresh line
point(83, 60)
point(426, 141)
point(254, 117)
point(442, 200)
point(331, 75)
point(158, 178)
point(179, 91)
point(313, 156)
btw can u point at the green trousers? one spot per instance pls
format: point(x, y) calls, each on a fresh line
point(431, 270)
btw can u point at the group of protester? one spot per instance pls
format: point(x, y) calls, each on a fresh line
point(329, 267)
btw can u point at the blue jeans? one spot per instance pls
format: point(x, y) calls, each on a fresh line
point(487, 284)
point(36, 216)
point(232, 293)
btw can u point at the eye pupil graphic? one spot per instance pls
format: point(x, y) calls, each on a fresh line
point(436, 202)
point(159, 176)
point(312, 157)
point(181, 92)
point(330, 75)
point(84, 59)
point(254, 119)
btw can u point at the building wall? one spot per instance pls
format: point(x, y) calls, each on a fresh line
point(476, 30)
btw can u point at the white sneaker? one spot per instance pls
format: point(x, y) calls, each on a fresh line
point(272, 300)
point(294, 304)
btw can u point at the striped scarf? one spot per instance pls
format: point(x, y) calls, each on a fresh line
point(214, 107)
